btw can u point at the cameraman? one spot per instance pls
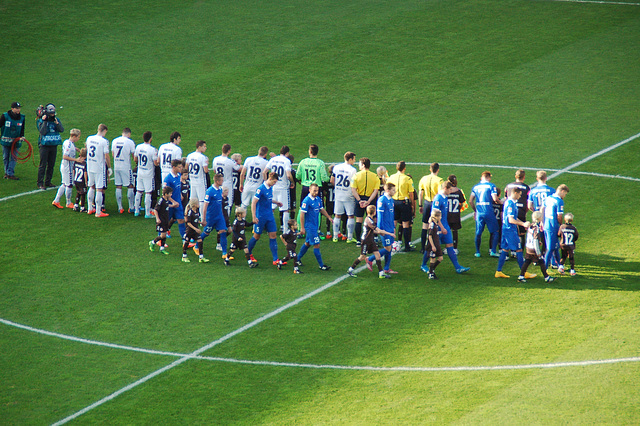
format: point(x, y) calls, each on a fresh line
point(50, 128)
point(12, 128)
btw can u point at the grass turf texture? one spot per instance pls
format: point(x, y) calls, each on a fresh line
point(536, 84)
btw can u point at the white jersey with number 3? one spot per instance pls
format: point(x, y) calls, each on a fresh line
point(97, 147)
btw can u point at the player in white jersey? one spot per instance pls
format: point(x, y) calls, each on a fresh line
point(226, 166)
point(66, 169)
point(122, 149)
point(251, 177)
point(146, 156)
point(345, 202)
point(169, 151)
point(198, 166)
point(281, 165)
point(97, 157)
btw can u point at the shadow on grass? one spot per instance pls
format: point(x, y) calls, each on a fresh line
point(601, 272)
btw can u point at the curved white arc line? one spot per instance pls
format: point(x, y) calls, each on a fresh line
point(320, 366)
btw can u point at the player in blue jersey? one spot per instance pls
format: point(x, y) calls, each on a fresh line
point(483, 195)
point(174, 180)
point(539, 192)
point(385, 222)
point(441, 203)
point(510, 237)
point(310, 211)
point(262, 213)
point(213, 216)
point(552, 212)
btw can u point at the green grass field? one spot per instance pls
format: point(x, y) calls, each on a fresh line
point(536, 84)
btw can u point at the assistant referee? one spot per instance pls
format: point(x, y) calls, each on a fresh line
point(403, 201)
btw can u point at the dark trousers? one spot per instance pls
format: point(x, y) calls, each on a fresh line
point(48, 155)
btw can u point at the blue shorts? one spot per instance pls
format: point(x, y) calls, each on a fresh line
point(265, 224)
point(218, 224)
point(312, 239)
point(387, 240)
point(489, 220)
point(510, 240)
point(176, 213)
point(446, 238)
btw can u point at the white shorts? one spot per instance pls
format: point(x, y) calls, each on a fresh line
point(281, 195)
point(97, 179)
point(67, 177)
point(123, 177)
point(247, 195)
point(198, 191)
point(145, 184)
point(342, 207)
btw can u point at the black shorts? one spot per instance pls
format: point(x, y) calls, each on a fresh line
point(402, 211)
point(162, 227)
point(455, 226)
point(533, 257)
point(238, 245)
point(369, 248)
point(329, 207)
point(81, 188)
point(567, 251)
point(191, 234)
point(362, 212)
point(436, 243)
point(426, 211)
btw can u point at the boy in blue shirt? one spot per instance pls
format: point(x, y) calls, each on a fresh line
point(310, 211)
point(263, 219)
point(482, 197)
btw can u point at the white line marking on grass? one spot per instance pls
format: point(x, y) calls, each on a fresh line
point(321, 366)
point(11, 197)
point(596, 2)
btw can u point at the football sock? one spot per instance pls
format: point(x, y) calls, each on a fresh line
point(303, 251)
point(387, 261)
point(285, 221)
point(543, 267)
point(137, 202)
point(520, 258)
point(59, 194)
point(358, 230)
point(502, 259)
point(200, 245)
point(351, 225)
point(407, 238)
point(273, 245)
point(99, 199)
point(252, 244)
point(571, 261)
point(247, 255)
point(163, 241)
point(379, 264)
point(316, 251)
point(423, 239)
point(119, 198)
point(454, 257)
point(425, 257)
point(223, 242)
point(131, 195)
point(495, 237)
point(185, 246)
point(355, 263)
point(147, 204)
point(182, 227)
point(433, 265)
point(336, 226)
point(68, 194)
point(454, 234)
point(91, 195)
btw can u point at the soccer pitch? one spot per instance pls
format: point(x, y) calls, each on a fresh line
point(97, 329)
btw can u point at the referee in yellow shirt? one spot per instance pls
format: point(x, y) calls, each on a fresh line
point(428, 188)
point(403, 202)
point(364, 187)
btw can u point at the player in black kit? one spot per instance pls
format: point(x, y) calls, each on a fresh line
point(289, 239)
point(239, 241)
point(192, 221)
point(161, 211)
